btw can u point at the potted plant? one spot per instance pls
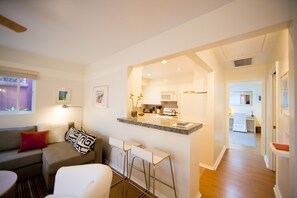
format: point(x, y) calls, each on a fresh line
point(134, 107)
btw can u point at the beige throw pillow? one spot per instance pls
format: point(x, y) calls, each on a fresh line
point(56, 131)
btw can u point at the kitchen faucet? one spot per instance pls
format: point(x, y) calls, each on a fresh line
point(173, 111)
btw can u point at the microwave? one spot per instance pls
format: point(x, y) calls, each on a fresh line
point(168, 96)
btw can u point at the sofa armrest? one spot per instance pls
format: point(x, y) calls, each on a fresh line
point(98, 150)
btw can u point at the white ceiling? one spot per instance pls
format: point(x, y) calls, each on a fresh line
point(170, 69)
point(259, 48)
point(85, 31)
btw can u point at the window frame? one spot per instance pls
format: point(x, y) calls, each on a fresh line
point(17, 111)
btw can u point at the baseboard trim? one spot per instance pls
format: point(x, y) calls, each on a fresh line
point(206, 166)
point(220, 157)
point(198, 195)
point(266, 161)
point(215, 166)
point(277, 192)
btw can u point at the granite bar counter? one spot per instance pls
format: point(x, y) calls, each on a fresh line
point(170, 125)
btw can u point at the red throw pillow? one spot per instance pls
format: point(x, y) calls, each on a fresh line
point(33, 140)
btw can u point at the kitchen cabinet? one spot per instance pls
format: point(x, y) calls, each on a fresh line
point(151, 95)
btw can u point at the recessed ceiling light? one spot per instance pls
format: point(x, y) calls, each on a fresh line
point(178, 69)
point(148, 74)
point(163, 61)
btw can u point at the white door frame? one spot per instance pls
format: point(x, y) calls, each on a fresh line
point(263, 111)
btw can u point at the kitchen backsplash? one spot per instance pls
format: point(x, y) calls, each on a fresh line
point(169, 104)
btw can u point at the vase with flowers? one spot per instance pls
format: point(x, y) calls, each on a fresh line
point(134, 107)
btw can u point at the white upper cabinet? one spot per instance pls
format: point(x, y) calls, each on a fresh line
point(151, 95)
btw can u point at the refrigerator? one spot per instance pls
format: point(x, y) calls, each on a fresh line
point(193, 107)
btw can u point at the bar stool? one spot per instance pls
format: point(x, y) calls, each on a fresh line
point(153, 157)
point(124, 146)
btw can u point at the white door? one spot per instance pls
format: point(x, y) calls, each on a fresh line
point(273, 127)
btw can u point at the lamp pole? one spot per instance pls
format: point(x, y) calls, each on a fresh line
point(75, 106)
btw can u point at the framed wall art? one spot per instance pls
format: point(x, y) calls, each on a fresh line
point(100, 96)
point(285, 95)
point(63, 96)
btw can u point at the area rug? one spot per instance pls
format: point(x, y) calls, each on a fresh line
point(245, 139)
point(31, 188)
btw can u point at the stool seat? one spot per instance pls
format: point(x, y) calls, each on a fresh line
point(124, 146)
point(128, 145)
point(153, 157)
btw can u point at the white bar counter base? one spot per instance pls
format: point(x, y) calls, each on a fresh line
point(183, 146)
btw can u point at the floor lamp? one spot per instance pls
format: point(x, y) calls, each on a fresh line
point(70, 106)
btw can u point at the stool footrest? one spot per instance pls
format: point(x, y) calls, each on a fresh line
point(163, 182)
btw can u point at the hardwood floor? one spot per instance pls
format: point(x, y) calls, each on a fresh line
point(241, 174)
point(117, 190)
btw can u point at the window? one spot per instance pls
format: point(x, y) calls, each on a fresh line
point(16, 95)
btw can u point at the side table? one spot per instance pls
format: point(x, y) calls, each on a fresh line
point(7, 184)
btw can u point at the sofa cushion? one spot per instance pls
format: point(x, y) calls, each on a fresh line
point(11, 160)
point(10, 138)
point(63, 154)
point(72, 134)
point(84, 143)
point(33, 140)
point(56, 131)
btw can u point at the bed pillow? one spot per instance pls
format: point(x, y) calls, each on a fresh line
point(33, 140)
point(56, 131)
point(84, 143)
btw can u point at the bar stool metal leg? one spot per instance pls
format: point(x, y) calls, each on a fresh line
point(145, 178)
point(153, 157)
point(154, 178)
point(146, 183)
point(173, 182)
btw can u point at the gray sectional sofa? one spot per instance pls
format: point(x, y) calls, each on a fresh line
point(44, 161)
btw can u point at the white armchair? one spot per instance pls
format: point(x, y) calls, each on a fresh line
point(84, 181)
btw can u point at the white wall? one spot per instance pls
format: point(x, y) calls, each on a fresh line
point(292, 97)
point(280, 58)
point(209, 28)
point(256, 89)
point(50, 79)
point(213, 136)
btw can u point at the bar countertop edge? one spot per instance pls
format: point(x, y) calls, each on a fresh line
point(165, 125)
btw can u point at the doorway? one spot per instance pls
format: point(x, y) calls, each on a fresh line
point(245, 115)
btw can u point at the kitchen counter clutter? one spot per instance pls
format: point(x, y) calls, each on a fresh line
point(171, 125)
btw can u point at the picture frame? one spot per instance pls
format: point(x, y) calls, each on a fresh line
point(100, 96)
point(241, 98)
point(285, 94)
point(63, 95)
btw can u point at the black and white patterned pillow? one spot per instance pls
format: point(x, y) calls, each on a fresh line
point(72, 134)
point(84, 143)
